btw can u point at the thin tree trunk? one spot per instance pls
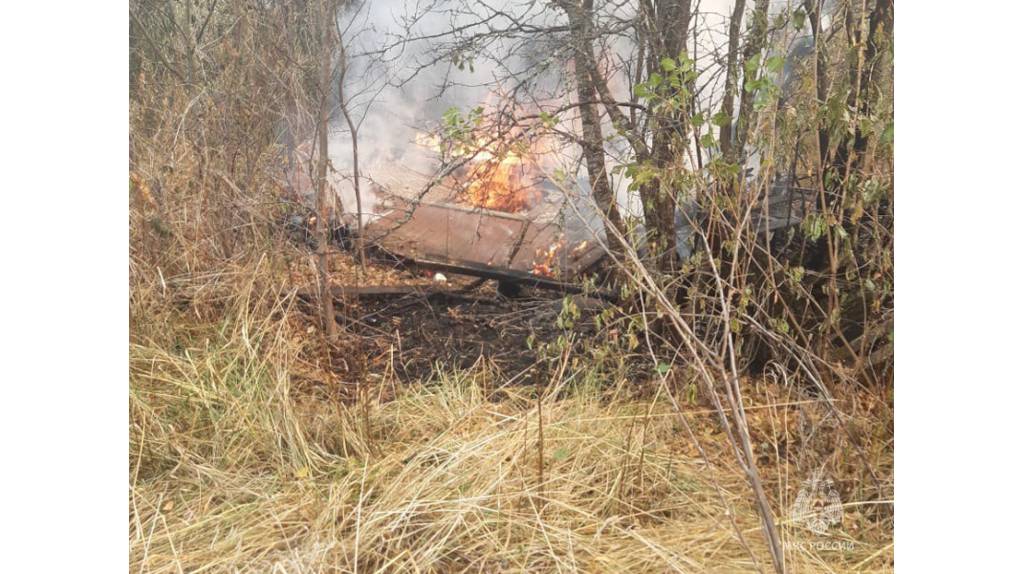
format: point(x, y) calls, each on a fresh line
point(842, 161)
point(880, 33)
point(360, 245)
point(671, 25)
point(731, 79)
point(579, 14)
point(323, 213)
point(863, 87)
point(813, 9)
point(755, 44)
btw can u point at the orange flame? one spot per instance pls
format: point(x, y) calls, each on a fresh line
point(502, 181)
point(497, 175)
point(544, 261)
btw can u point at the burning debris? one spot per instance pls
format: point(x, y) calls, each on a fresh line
point(490, 213)
point(484, 207)
point(503, 184)
point(545, 267)
point(495, 174)
point(548, 260)
point(480, 242)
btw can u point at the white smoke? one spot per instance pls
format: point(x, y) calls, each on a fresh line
point(398, 85)
point(404, 72)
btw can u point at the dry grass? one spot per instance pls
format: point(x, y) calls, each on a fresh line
point(233, 470)
point(237, 466)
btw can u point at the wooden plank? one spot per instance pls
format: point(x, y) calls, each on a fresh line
point(474, 269)
point(394, 291)
point(342, 291)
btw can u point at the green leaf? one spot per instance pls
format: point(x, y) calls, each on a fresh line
point(814, 226)
point(561, 453)
point(799, 17)
point(663, 369)
point(752, 64)
point(764, 97)
point(889, 135)
point(774, 64)
point(707, 140)
point(796, 274)
point(691, 394)
point(721, 119)
point(668, 64)
point(780, 326)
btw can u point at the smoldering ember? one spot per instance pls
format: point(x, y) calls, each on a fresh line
point(457, 285)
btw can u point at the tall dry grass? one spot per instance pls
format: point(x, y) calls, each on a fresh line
point(232, 469)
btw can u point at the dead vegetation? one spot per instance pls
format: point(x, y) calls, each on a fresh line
point(457, 429)
point(251, 451)
point(233, 468)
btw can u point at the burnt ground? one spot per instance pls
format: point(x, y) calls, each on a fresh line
point(455, 328)
point(397, 322)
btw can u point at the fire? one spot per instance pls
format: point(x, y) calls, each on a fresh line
point(544, 262)
point(496, 175)
point(542, 270)
point(501, 181)
point(545, 259)
point(580, 249)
